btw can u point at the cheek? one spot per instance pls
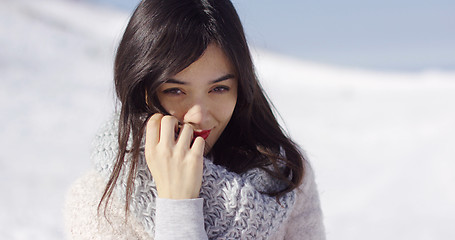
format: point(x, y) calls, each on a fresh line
point(173, 108)
point(230, 110)
point(226, 109)
point(223, 115)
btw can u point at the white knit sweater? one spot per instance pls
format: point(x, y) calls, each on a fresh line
point(226, 198)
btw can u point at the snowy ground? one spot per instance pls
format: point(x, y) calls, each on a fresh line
point(382, 144)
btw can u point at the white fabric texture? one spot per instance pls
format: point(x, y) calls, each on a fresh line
point(179, 219)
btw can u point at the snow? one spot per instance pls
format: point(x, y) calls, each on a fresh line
point(381, 143)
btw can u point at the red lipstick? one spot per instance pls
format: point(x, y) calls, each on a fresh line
point(204, 134)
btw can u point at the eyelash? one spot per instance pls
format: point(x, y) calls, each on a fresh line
point(220, 89)
point(173, 91)
point(177, 91)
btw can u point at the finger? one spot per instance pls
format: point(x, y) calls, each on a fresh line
point(185, 137)
point(152, 132)
point(167, 131)
point(198, 147)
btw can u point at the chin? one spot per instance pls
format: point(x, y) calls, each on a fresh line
point(208, 145)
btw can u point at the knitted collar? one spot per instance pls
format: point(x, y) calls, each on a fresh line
point(233, 206)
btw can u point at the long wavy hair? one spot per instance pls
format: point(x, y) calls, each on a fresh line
point(162, 38)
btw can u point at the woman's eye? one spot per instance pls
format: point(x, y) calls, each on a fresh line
point(220, 89)
point(173, 91)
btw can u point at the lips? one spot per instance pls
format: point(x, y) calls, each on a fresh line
point(204, 134)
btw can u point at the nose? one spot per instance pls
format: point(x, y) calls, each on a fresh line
point(197, 115)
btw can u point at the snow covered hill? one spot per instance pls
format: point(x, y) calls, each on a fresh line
point(382, 143)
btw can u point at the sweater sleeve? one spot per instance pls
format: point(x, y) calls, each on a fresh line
point(82, 220)
point(306, 220)
point(179, 219)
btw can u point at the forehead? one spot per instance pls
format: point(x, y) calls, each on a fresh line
point(211, 65)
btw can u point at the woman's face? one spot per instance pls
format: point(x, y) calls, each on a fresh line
point(203, 95)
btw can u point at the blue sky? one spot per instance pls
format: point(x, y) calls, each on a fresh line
point(384, 35)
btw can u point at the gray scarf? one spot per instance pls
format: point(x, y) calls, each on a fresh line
point(233, 206)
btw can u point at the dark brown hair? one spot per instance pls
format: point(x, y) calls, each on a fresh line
point(162, 38)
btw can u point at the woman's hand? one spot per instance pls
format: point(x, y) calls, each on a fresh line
point(176, 166)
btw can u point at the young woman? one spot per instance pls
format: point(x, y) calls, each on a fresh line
point(195, 151)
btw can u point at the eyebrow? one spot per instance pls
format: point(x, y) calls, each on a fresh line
point(220, 79)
